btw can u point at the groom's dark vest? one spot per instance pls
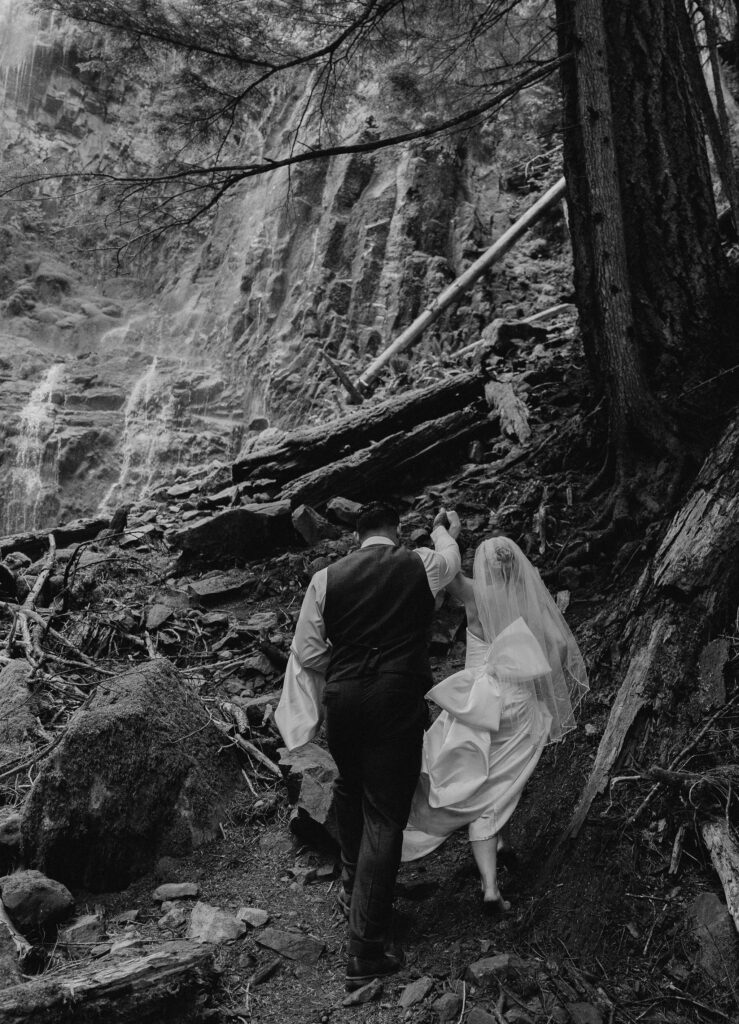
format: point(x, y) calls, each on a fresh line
point(378, 613)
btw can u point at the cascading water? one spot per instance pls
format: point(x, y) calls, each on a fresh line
point(136, 434)
point(34, 478)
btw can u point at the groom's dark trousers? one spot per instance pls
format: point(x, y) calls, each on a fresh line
point(377, 613)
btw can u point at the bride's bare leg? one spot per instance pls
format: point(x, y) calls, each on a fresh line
point(504, 838)
point(485, 853)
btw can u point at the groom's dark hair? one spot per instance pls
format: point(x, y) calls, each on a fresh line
point(376, 515)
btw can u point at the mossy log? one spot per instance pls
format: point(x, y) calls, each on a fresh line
point(307, 449)
point(381, 468)
point(158, 987)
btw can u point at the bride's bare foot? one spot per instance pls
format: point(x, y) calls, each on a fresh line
point(494, 906)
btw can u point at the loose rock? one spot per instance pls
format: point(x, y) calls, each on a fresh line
point(35, 903)
point(211, 924)
point(253, 916)
point(293, 945)
point(176, 891)
point(310, 779)
point(584, 1013)
point(365, 994)
point(175, 918)
point(500, 966)
point(714, 929)
point(448, 1007)
point(479, 1016)
point(312, 526)
point(345, 510)
point(416, 992)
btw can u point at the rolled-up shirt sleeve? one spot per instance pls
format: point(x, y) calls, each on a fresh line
point(310, 646)
point(443, 563)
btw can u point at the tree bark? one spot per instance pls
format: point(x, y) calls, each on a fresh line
point(681, 601)
point(650, 275)
point(157, 987)
point(307, 449)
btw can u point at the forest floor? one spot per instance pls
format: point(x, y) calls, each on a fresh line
point(602, 934)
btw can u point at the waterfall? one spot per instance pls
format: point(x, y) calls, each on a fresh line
point(34, 477)
point(135, 423)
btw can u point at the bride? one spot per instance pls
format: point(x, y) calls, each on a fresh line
point(523, 678)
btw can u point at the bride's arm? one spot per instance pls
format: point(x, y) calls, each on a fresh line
point(461, 588)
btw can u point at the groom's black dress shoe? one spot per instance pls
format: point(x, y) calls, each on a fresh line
point(359, 971)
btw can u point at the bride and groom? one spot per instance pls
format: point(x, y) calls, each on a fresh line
point(360, 660)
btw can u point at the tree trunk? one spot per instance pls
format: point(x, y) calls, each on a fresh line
point(307, 449)
point(650, 275)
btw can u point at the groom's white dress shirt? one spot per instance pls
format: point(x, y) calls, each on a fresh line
point(310, 646)
point(310, 649)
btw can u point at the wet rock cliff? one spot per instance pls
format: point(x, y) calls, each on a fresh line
point(121, 373)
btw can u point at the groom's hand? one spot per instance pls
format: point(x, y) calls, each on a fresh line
point(450, 521)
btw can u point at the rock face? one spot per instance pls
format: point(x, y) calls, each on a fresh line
point(35, 903)
point(117, 377)
point(123, 788)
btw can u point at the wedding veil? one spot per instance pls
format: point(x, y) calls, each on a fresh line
point(506, 587)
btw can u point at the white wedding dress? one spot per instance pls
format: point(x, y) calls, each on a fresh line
point(483, 748)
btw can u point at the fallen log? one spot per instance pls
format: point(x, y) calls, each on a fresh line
point(724, 851)
point(160, 986)
point(299, 452)
point(375, 470)
point(684, 593)
point(35, 544)
point(465, 281)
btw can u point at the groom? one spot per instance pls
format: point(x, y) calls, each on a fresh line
point(364, 623)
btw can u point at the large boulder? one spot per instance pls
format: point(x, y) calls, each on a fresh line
point(35, 904)
point(250, 531)
point(140, 774)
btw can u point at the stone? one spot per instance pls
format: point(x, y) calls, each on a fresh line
point(310, 777)
point(157, 615)
point(518, 1016)
point(584, 1013)
point(416, 992)
point(344, 510)
point(312, 526)
point(83, 933)
point(10, 839)
point(176, 891)
point(173, 919)
point(183, 490)
point(122, 789)
point(126, 917)
point(501, 965)
point(713, 927)
point(35, 904)
point(448, 1007)
point(250, 531)
point(365, 994)
point(253, 916)
point(16, 561)
point(479, 1016)
point(293, 945)
point(211, 924)
point(221, 586)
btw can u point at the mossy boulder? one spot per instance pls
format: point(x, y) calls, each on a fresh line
point(140, 773)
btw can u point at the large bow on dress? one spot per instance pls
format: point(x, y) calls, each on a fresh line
point(456, 747)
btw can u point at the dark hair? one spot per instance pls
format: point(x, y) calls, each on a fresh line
point(376, 515)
